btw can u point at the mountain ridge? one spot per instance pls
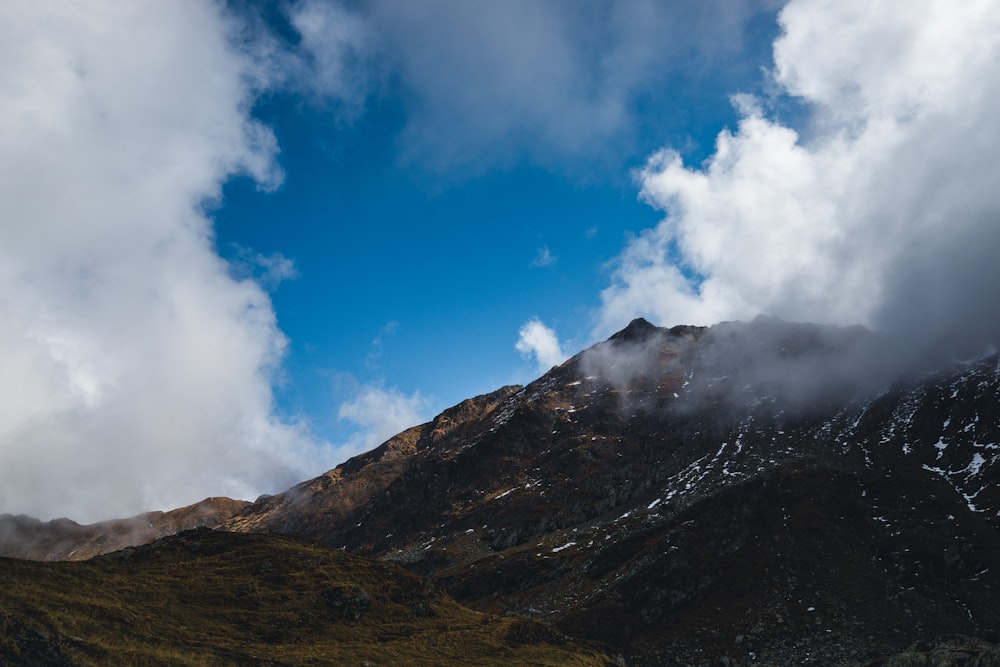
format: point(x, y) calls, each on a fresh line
point(598, 467)
point(64, 539)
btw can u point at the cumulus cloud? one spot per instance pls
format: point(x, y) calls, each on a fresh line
point(135, 366)
point(381, 413)
point(539, 341)
point(880, 208)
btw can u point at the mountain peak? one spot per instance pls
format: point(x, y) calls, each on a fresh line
point(637, 330)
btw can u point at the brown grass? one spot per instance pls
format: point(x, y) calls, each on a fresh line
point(209, 598)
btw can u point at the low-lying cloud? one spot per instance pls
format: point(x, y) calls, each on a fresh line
point(880, 208)
point(767, 366)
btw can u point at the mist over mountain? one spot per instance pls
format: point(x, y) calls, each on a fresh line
point(755, 493)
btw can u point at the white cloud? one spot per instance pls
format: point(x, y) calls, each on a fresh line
point(267, 270)
point(489, 82)
point(539, 341)
point(381, 413)
point(882, 210)
point(135, 371)
point(336, 57)
point(544, 258)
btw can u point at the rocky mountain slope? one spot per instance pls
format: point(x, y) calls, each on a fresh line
point(749, 493)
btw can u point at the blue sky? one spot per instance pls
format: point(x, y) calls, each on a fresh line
point(242, 241)
point(418, 277)
point(440, 270)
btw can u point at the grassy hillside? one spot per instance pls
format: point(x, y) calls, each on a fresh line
point(210, 598)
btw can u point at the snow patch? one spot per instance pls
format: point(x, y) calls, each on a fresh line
point(940, 445)
point(976, 465)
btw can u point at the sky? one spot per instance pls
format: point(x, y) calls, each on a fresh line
point(241, 242)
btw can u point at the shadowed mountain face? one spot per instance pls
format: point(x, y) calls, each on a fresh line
point(761, 492)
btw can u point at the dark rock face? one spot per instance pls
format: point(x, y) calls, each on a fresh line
point(747, 492)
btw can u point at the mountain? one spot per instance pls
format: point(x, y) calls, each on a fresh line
point(213, 598)
point(748, 493)
point(63, 539)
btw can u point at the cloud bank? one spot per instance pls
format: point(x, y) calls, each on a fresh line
point(881, 208)
point(136, 366)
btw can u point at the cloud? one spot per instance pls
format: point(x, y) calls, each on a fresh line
point(269, 271)
point(881, 208)
point(544, 258)
point(485, 83)
point(765, 366)
point(135, 366)
point(381, 413)
point(374, 357)
point(336, 57)
point(539, 341)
